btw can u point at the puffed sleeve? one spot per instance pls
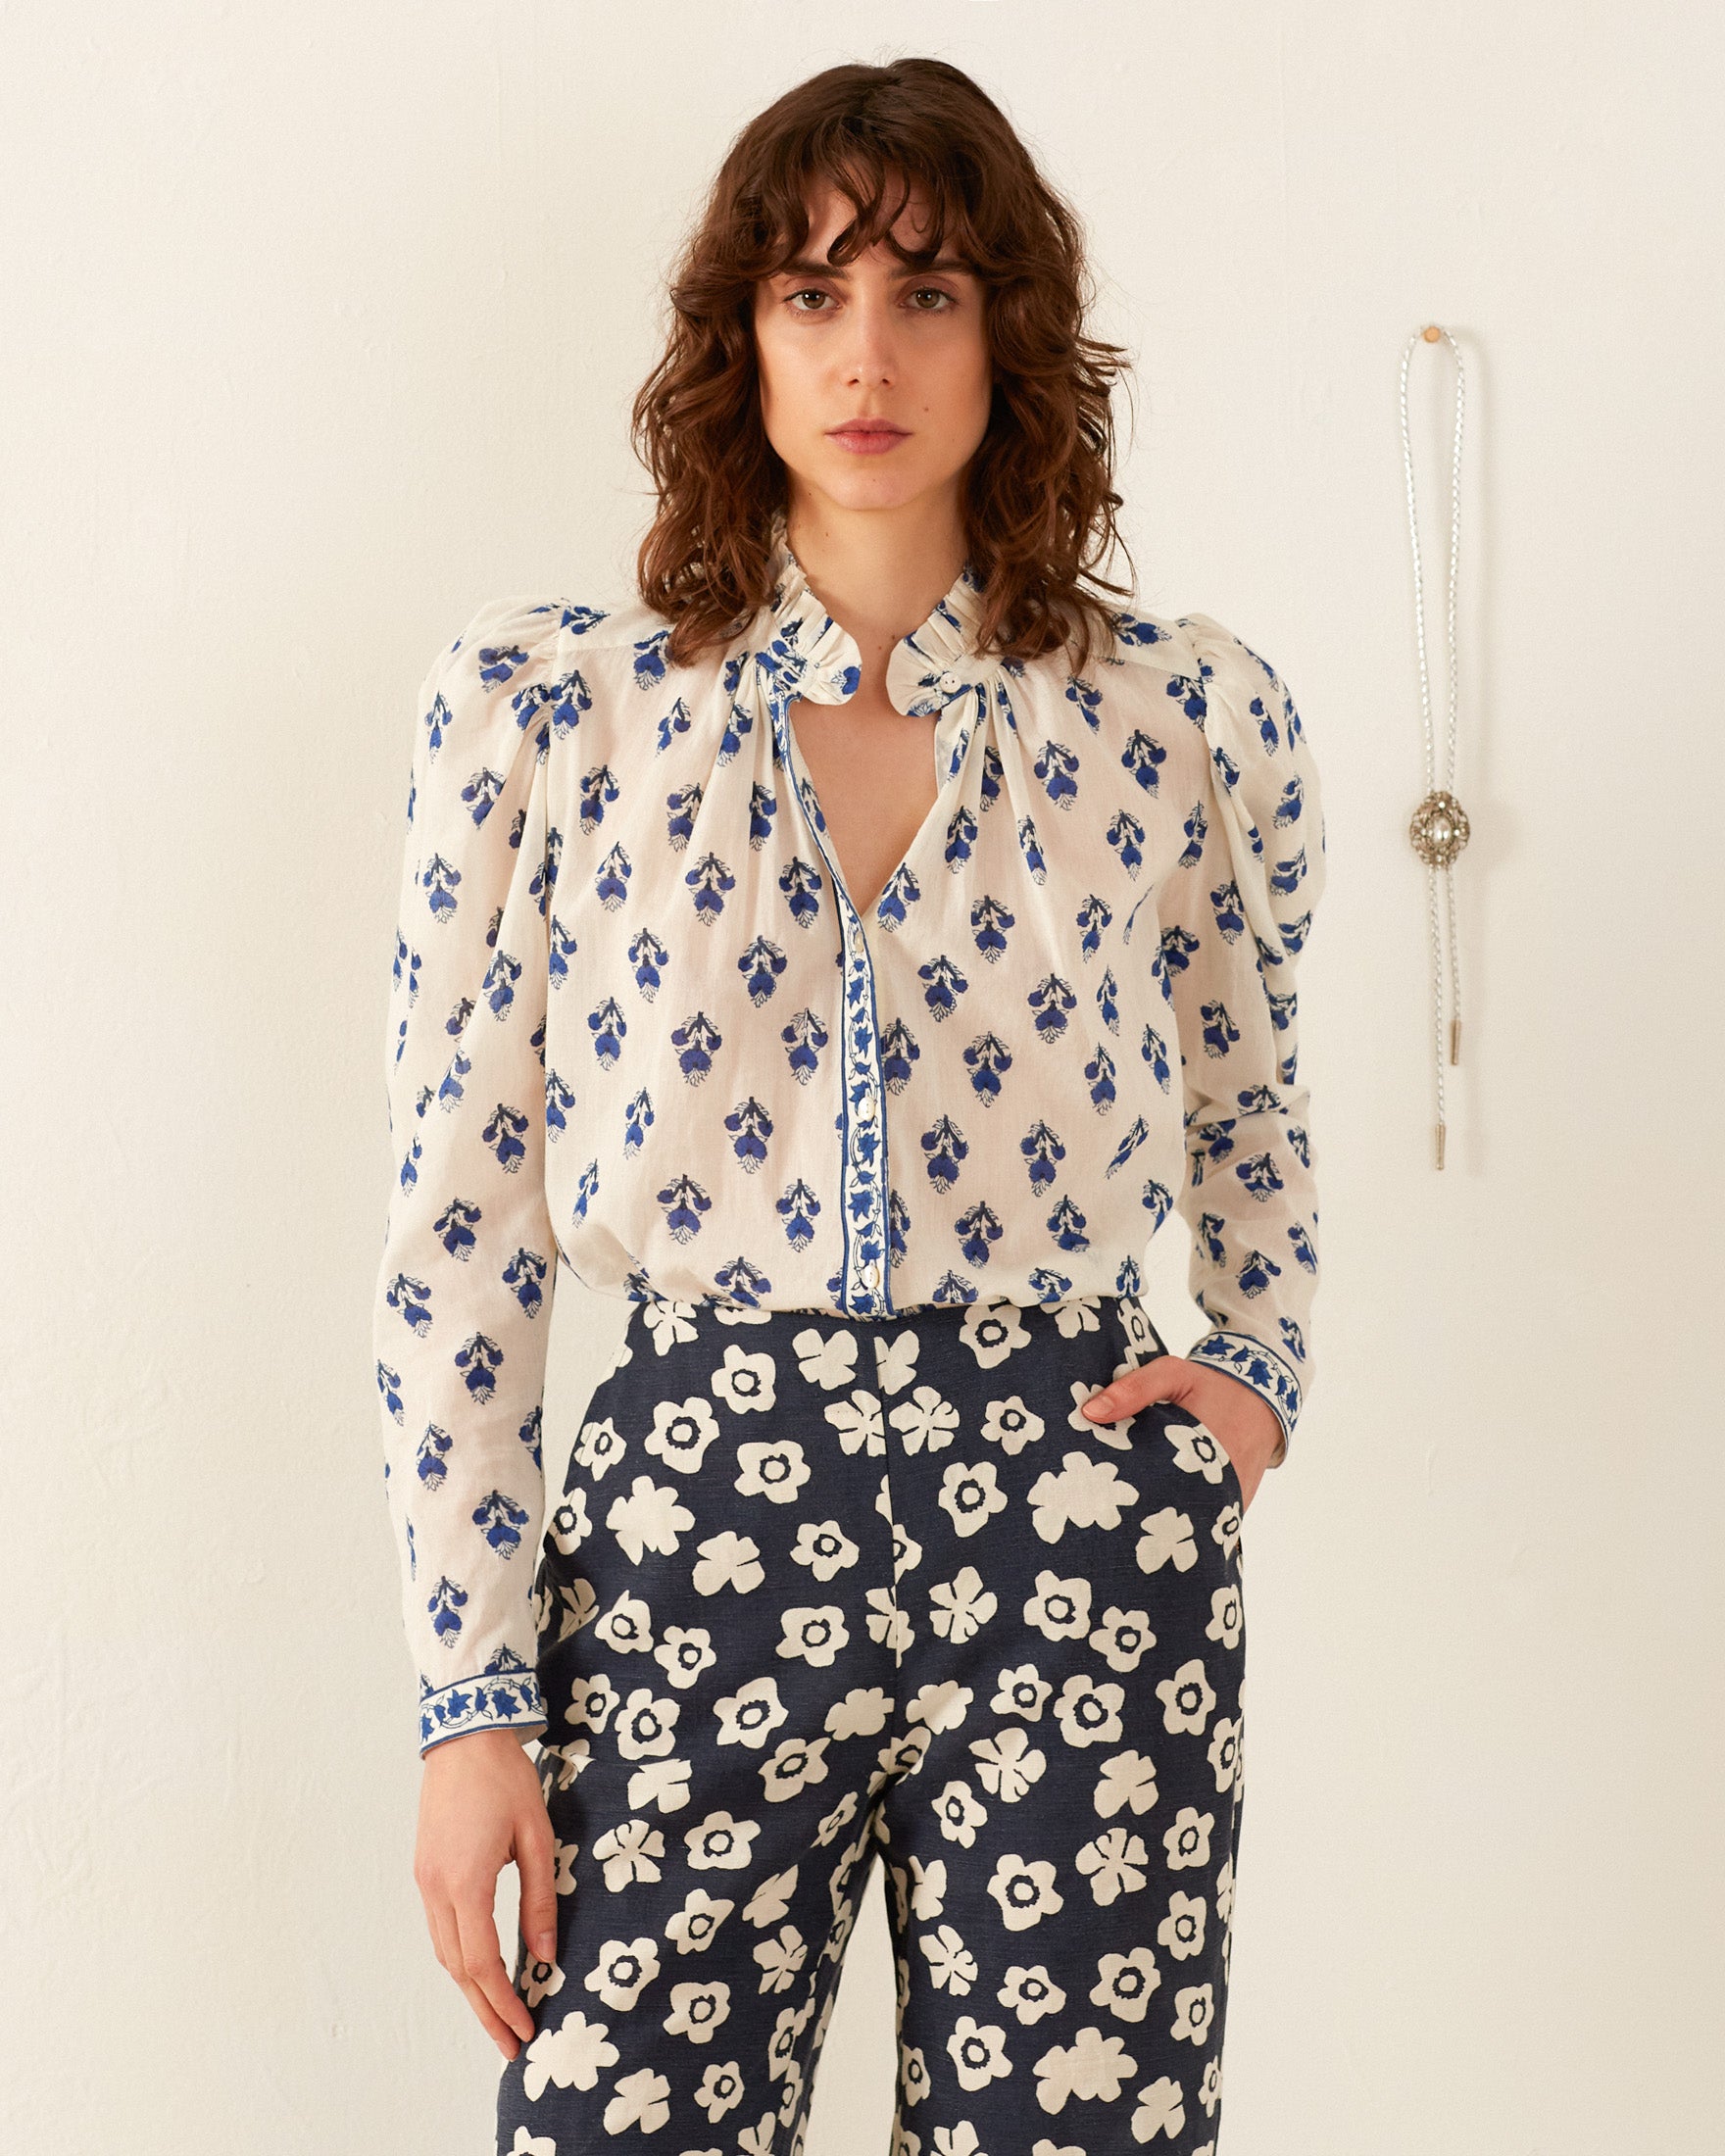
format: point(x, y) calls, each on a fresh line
point(1237, 910)
point(463, 1304)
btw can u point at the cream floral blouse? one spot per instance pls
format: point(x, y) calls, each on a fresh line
point(637, 1023)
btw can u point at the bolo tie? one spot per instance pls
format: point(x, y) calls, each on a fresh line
point(1439, 826)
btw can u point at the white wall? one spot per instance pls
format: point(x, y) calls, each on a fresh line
point(320, 328)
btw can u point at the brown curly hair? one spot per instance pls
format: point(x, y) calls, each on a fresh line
point(1038, 500)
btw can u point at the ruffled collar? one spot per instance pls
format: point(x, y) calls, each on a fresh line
point(814, 658)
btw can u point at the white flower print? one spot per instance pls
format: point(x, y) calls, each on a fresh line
point(1224, 1751)
point(1115, 1863)
point(781, 2045)
point(776, 1472)
point(858, 1714)
point(956, 2140)
point(952, 1966)
point(627, 1626)
point(1210, 2094)
point(1141, 1334)
point(1226, 1528)
point(646, 1728)
point(895, 1361)
point(681, 1433)
point(1187, 1698)
point(904, 2142)
point(826, 1549)
point(720, 1843)
point(1124, 1983)
point(1010, 1425)
point(1167, 1538)
point(624, 1971)
point(1225, 1619)
point(904, 1755)
point(1022, 1691)
point(963, 1605)
point(1116, 1434)
point(925, 1419)
point(829, 1362)
point(1089, 1713)
point(1048, 2148)
point(959, 1814)
point(683, 1653)
point(1127, 1779)
point(697, 2010)
point(728, 1560)
point(540, 1980)
point(1194, 2009)
point(1031, 1993)
point(791, 2102)
point(560, 1764)
point(928, 1888)
point(649, 1518)
point(671, 1322)
point(913, 2074)
point(629, 1851)
point(691, 1930)
point(1075, 1315)
point(750, 1715)
point(888, 1625)
point(721, 2091)
point(1024, 1892)
point(906, 1553)
point(1161, 2109)
point(1061, 1608)
point(839, 1818)
point(599, 1447)
point(1086, 1492)
point(1187, 1842)
point(1225, 1891)
point(970, 1497)
point(859, 1423)
point(978, 2053)
point(1197, 1451)
point(1123, 1638)
point(991, 1331)
point(569, 1525)
point(642, 2099)
point(579, 1604)
point(797, 1761)
point(1092, 2066)
point(1007, 1765)
point(591, 1701)
point(745, 1382)
point(813, 1636)
point(1181, 1930)
point(757, 2139)
point(572, 2055)
point(940, 1707)
point(772, 1898)
point(665, 1783)
point(780, 1957)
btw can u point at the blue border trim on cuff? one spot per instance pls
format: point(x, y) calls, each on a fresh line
point(503, 1695)
point(1249, 1359)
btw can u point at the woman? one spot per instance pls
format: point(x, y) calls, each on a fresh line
point(850, 949)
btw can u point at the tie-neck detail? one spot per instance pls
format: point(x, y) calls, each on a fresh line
point(816, 659)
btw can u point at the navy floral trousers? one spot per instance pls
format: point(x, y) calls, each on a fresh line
point(820, 1590)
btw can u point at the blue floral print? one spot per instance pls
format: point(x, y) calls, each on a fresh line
point(637, 1027)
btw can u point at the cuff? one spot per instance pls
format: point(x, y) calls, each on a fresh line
point(1269, 1374)
point(503, 1695)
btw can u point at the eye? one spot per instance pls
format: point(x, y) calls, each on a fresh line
point(940, 293)
point(808, 292)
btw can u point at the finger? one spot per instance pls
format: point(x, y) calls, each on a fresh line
point(537, 1867)
point(1160, 1379)
point(485, 1970)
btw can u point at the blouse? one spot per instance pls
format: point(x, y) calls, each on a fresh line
point(637, 1024)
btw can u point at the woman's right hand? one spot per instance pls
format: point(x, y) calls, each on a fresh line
point(480, 1808)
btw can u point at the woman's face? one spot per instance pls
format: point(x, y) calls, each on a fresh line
point(871, 341)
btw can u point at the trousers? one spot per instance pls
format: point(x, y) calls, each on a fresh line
point(822, 1590)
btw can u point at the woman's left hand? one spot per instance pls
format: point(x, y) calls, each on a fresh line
point(1244, 1423)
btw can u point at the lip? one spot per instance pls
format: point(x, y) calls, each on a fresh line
point(870, 436)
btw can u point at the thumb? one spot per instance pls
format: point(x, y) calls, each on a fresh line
point(536, 1869)
point(1162, 1377)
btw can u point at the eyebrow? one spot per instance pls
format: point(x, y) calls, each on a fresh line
point(807, 266)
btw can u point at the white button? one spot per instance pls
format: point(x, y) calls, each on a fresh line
point(870, 1274)
point(865, 1109)
point(950, 682)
